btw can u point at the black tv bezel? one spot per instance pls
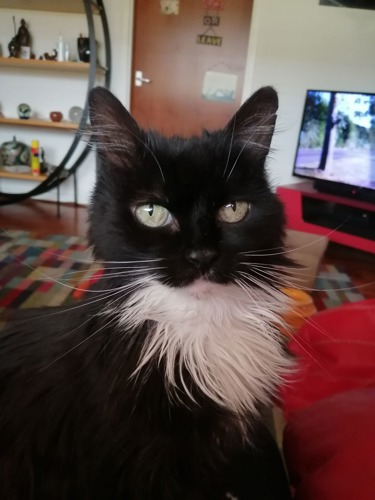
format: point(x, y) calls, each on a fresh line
point(334, 187)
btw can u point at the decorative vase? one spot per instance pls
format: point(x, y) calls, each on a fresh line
point(83, 45)
point(56, 116)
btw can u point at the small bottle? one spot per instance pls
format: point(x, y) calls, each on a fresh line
point(35, 162)
point(66, 55)
point(60, 49)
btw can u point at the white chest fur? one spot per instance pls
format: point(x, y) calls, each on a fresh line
point(223, 335)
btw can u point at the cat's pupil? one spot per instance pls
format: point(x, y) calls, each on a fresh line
point(150, 210)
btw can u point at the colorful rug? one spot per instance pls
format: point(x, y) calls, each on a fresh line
point(45, 272)
point(41, 272)
point(334, 287)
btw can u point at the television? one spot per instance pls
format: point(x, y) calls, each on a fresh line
point(336, 144)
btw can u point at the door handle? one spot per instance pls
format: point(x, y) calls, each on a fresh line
point(140, 79)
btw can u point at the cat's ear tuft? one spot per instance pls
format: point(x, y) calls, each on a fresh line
point(254, 123)
point(113, 130)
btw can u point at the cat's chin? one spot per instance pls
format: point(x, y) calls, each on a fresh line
point(201, 287)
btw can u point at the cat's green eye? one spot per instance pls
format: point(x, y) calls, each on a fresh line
point(152, 215)
point(233, 212)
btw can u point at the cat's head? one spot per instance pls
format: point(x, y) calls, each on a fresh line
point(187, 209)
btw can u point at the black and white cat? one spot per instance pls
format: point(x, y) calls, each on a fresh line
point(153, 388)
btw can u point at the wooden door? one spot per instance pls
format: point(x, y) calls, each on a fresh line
point(193, 85)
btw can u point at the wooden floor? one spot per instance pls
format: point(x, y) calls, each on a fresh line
point(40, 217)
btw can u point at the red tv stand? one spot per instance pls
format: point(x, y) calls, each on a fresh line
point(343, 220)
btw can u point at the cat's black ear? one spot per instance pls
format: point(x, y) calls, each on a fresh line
point(254, 123)
point(113, 129)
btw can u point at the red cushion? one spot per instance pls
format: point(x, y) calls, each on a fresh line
point(335, 350)
point(329, 404)
point(330, 448)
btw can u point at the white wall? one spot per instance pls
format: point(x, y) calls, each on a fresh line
point(120, 20)
point(296, 45)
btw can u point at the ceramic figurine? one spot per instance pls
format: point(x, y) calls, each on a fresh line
point(50, 57)
point(24, 111)
point(14, 153)
point(23, 35)
point(21, 39)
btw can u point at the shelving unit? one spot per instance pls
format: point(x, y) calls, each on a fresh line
point(26, 177)
point(32, 122)
point(42, 64)
point(73, 157)
point(67, 6)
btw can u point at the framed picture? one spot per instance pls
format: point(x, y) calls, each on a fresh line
point(354, 4)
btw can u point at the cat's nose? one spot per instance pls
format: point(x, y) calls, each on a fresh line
point(202, 257)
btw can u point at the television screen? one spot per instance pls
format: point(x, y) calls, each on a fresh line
point(337, 138)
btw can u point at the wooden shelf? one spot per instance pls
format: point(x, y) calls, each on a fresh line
point(27, 177)
point(69, 66)
point(67, 6)
point(39, 123)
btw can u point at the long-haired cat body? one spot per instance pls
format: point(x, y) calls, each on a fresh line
point(153, 387)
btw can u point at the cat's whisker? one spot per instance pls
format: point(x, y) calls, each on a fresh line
point(291, 284)
point(260, 253)
point(310, 320)
point(134, 261)
point(86, 339)
point(259, 275)
point(264, 286)
point(50, 278)
point(254, 252)
point(296, 279)
point(294, 249)
point(249, 281)
point(154, 157)
point(277, 269)
point(264, 129)
point(124, 274)
point(80, 305)
point(70, 274)
point(92, 261)
point(282, 322)
point(230, 145)
point(278, 279)
point(340, 289)
point(307, 350)
point(307, 319)
point(275, 272)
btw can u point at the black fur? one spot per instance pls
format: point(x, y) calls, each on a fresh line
point(74, 423)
